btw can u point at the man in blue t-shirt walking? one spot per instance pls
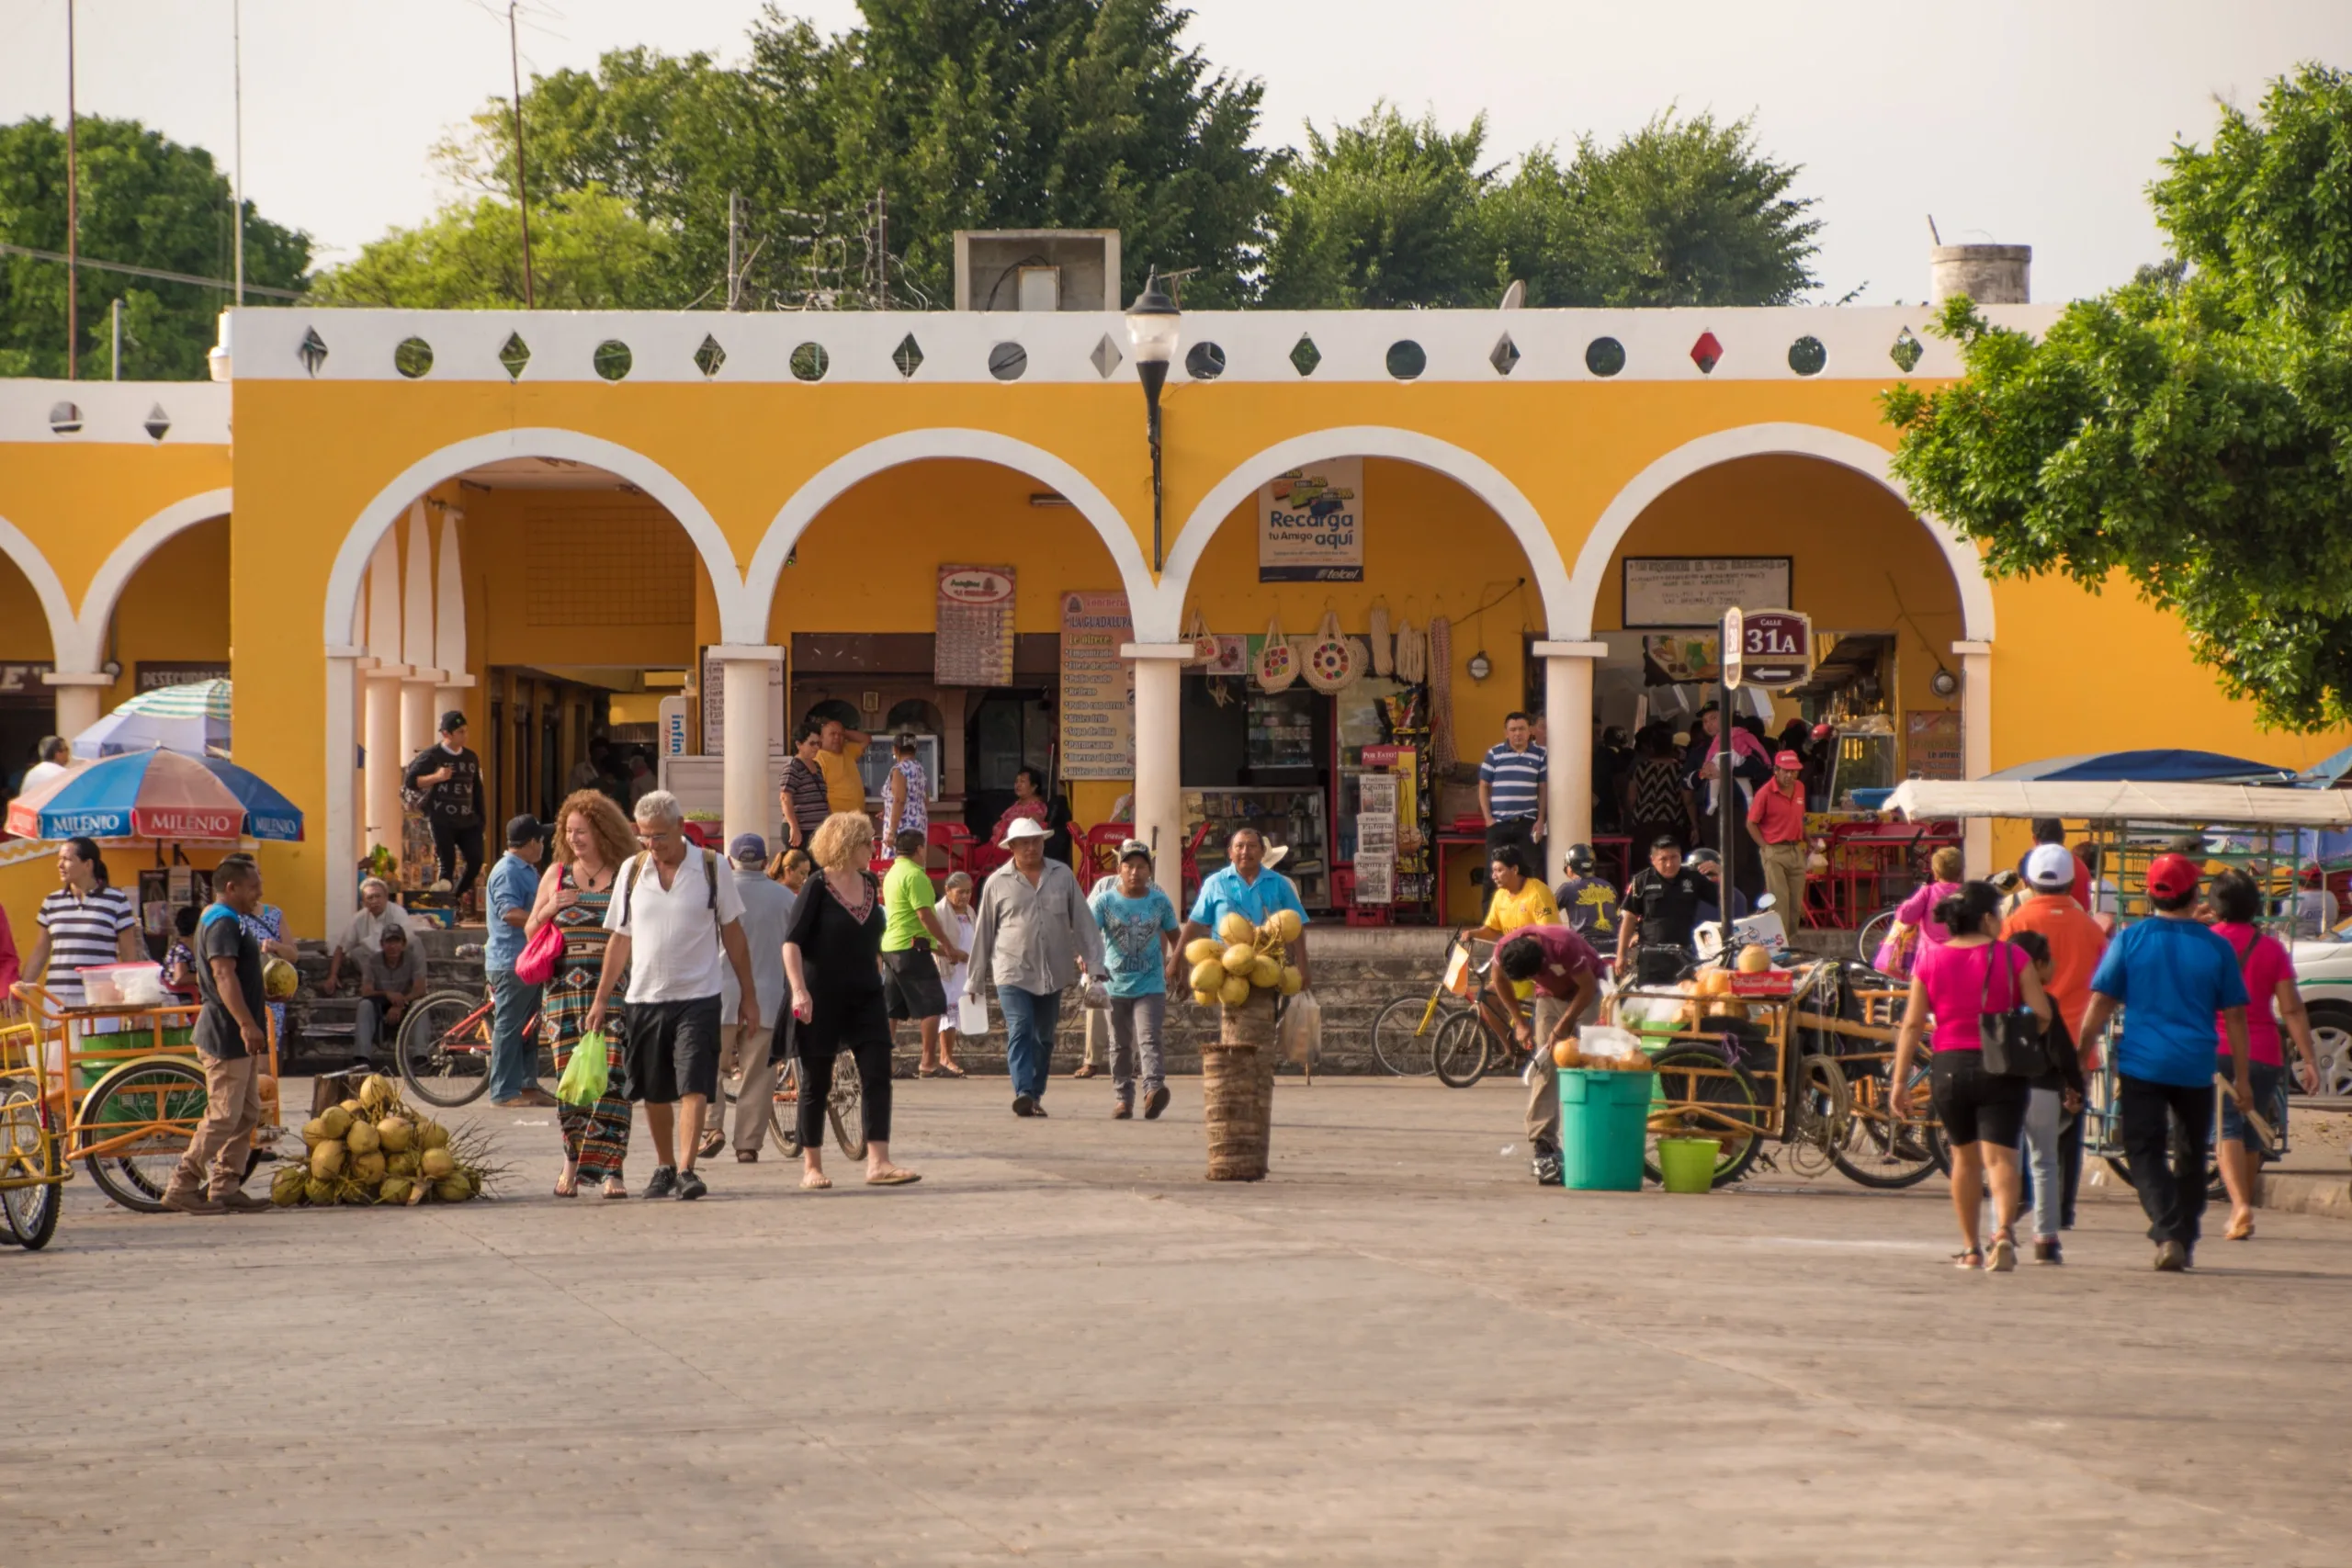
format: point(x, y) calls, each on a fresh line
point(1140, 928)
point(2172, 977)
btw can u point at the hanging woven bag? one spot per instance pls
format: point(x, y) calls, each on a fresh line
point(1277, 660)
point(1334, 663)
point(1382, 660)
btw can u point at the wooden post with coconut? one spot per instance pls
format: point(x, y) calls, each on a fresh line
point(1242, 970)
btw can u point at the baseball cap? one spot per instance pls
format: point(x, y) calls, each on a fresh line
point(2169, 876)
point(1133, 848)
point(2051, 868)
point(748, 849)
point(523, 830)
point(454, 719)
point(1789, 760)
point(1026, 827)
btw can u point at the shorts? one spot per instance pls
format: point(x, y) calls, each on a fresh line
point(673, 1050)
point(2269, 1102)
point(911, 984)
point(1976, 1106)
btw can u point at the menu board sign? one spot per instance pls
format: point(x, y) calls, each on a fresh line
point(1934, 745)
point(974, 647)
point(1663, 592)
point(1097, 708)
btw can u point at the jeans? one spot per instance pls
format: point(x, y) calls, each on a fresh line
point(1136, 1026)
point(2170, 1177)
point(1518, 830)
point(513, 1054)
point(449, 841)
point(2043, 1111)
point(2070, 1166)
point(1030, 1017)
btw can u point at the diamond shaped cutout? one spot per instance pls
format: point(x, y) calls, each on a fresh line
point(1106, 356)
point(1505, 358)
point(908, 355)
point(1706, 354)
point(1907, 352)
point(1304, 355)
point(313, 350)
point(709, 357)
point(514, 353)
point(159, 423)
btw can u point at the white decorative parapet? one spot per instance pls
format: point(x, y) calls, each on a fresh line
point(1795, 344)
point(142, 413)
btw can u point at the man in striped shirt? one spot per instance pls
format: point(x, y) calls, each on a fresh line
point(1511, 788)
point(805, 804)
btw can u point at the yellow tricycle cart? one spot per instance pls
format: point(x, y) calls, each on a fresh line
point(125, 1087)
point(32, 1157)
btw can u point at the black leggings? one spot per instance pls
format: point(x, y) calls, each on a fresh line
point(817, 1083)
point(450, 841)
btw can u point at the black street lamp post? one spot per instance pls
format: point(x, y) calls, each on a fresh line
point(1153, 326)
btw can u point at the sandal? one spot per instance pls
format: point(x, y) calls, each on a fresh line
point(2004, 1255)
point(711, 1144)
point(815, 1181)
point(950, 1070)
point(893, 1178)
point(927, 1072)
point(571, 1191)
point(2240, 1230)
point(615, 1188)
point(1971, 1259)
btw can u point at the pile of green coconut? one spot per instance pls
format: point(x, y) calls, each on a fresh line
point(373, 1150)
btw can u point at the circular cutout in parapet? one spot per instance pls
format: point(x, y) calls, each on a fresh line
point(413, 358)
point(809, 362)
point(1008, 362)
point(1808, 356)
point(1205, 362)
point(1604, 357)
point(1406, 359)
point(614, 359)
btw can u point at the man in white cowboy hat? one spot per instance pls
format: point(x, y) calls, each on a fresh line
point(1033, 938)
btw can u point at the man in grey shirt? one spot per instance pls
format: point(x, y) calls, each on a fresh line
point(767, 914)
point(1034, 937)
point(390, 980)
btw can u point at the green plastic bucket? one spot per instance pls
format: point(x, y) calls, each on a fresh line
point(1688, 1165)
point(1604, 1120)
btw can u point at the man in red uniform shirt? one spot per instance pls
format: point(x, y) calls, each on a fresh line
point(1776, 821)
point(1565, 971)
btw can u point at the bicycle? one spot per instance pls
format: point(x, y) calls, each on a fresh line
point(1470, 1044)
point(1872, 936)
point(444, 1045)
point(1404, 1031)
point(845, 1106)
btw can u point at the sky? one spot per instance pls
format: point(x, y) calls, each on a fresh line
point(2035, 124)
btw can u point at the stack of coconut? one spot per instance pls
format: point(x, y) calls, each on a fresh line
point(373, 1150)
point(1242, 958)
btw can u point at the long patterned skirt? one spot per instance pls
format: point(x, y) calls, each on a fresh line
point(596, 1137)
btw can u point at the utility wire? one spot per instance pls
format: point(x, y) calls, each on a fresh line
point(221, 283)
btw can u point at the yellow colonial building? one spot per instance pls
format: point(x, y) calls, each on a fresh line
point(695, 529)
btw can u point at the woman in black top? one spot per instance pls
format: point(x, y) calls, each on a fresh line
point(832, 955)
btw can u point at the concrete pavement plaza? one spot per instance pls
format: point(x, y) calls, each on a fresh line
point(1064, 1346)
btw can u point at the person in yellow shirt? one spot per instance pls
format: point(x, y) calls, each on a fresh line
point(838, 749)
point(1519, 901)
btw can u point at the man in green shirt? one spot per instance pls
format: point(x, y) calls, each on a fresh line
point(911, 934)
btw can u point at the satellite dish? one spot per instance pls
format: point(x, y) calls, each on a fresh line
point(1515, 296)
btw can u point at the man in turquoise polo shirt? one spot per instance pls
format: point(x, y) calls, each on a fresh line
point(1246, 886)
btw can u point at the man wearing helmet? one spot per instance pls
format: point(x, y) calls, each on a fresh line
point(1588, 902)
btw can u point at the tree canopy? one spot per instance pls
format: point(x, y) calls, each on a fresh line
point(588, 252)
point(145, 202)
point(2191, 432)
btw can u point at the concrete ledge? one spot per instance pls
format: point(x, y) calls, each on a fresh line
point(2292, 1193)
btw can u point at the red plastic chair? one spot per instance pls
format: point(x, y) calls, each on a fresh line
point(1190, 863)
point(1102, 843)
point(953, 843)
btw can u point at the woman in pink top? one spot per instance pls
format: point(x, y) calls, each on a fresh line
point(2271, 999)
point(1958, 980)
point(1917, 927)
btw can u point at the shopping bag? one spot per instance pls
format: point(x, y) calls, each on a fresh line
point(972, 1015)
point(540, 955)
point(585, 1077)
point(1458, 978)
point(1300, 1036)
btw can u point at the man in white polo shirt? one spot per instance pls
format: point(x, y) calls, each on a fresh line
point(677, 925)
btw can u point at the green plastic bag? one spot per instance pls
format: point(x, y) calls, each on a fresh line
point(585, 1075)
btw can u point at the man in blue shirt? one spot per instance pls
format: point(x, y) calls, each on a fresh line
point(2172, 977)
point(1140, 928)
point(1245, 887)
point(1511, 788)
point(514, 888)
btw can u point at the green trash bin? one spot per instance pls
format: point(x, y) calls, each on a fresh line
point(1604, 1118)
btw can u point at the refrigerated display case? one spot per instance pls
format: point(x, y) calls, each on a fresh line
point(1291, 817)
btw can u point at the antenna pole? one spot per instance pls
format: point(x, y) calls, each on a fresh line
point(522, 181)
point(72, 216)
point(237, 70)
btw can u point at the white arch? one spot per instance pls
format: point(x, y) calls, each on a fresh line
point(64, 641)
point(1763, 441)
point(114, 574)
point(830, 483)
point(1481, 477)
point(378, 514)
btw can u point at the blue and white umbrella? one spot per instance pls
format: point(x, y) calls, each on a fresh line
point(193, 718)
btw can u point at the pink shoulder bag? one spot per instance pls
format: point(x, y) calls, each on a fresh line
point(536, 967)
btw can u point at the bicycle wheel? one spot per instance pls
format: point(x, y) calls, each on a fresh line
point(1868, 939)
point(146, 1111)
point(846, 1106)
point(444, 1049)
point(1404, 1034)
point(1459, 1056)
point(1879, 1149)
point(28, 1214)
point(1698, 1093)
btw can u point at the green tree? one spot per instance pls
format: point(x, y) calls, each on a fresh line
point(2192, 431)
point(588, 252)
point(145, 202)
point(1385, 212)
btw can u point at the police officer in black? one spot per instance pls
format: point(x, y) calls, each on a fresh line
point(1660, 912)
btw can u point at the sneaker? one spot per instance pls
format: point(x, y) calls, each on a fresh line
point(1123, 1111)
point(690, 1185)
point(1022, 1105)
point(2171, 1257)
point(1155, 1103)
point(2047, 1250)
point(1036, 1108)
point(192, 1203)
point(237, 1200)
point(662, 1182)
point(1546, 1164)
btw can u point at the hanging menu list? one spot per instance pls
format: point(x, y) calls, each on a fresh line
point(1097, 708)
point(974, 645)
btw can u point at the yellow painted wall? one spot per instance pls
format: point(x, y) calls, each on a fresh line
point(576, 577)
point(175, 606)
point(78, 500)
point(24, 629)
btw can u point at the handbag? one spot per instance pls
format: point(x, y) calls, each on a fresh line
point(536, 967)
point(1334, 661)
point(1277, 659)
point(586, 1076)
point(2012, 1039)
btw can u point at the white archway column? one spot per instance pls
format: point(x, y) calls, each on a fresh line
point(1568, 721)
point(1159, 796)
point(343, 855)
point(747, 803)
point(80, 695)
point(1976, 744)
point(385, 760)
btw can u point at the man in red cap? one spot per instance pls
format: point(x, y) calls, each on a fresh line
point(2171, 975)
point(1776, 821)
